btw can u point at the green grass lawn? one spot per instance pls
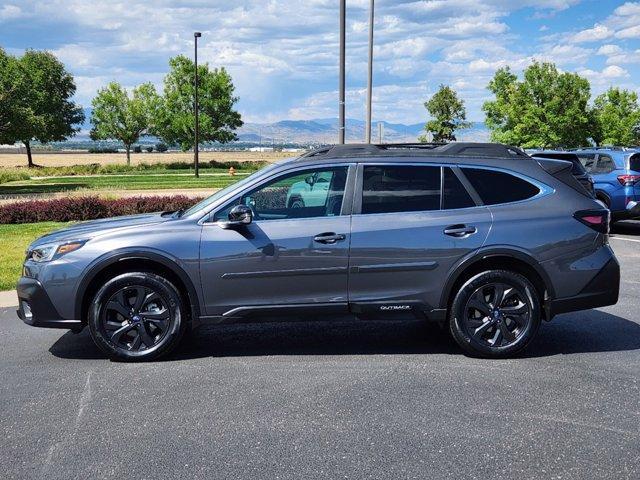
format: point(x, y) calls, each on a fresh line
point(14, 240)
point(144, 181)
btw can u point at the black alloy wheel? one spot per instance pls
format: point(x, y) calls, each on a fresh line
point(137, 316)
point(495, 313)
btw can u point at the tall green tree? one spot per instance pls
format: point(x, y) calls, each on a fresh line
point(36, 100)
point(617, 117)
point(448, 115)
point(548, 108)
point(120, 116)
point(175, 120)
point(9, 109)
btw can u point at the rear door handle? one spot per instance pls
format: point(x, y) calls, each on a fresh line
point(460, 230)
point(329, 237)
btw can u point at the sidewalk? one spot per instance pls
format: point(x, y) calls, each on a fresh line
point(8, 299)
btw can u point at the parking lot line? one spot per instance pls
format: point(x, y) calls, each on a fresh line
point(627, 239)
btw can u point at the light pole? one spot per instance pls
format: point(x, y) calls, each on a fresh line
point(341, 82)
point(370, 77)
point(196, 163)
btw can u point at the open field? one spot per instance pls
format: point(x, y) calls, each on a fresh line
point(14, 239)
point(62, 159)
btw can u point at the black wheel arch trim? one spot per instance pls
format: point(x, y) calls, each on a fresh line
point(116, 256)
point(485, 253)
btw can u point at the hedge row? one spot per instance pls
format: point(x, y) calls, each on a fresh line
point(88, 208)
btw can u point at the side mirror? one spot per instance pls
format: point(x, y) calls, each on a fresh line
point(239, 216)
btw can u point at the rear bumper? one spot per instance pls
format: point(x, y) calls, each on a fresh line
point(601, 291)
point(35, 307)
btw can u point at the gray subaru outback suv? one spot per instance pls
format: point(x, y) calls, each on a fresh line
point(480, 236)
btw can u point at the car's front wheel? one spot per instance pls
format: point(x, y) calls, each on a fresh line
point(495, 314)
point(137, 316)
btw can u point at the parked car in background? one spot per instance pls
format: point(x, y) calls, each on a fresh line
point(578, 170)
point(616, 175)
point(479, 237)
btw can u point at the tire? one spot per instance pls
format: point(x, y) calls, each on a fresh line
point(137, 316)
point(296, 202)
point(473, 320)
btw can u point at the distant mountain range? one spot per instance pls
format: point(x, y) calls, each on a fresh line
point(325, 130)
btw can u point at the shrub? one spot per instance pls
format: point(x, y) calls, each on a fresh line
point(149, 149)
point(11, 175)
point(161, 147)
point(137, 149)
point(89, 208)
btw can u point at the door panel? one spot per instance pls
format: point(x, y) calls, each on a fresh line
point(294, 252)
point(407, 255)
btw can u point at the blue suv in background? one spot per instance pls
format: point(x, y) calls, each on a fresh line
point(616, 173)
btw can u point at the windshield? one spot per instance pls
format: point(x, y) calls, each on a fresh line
point(203, 204)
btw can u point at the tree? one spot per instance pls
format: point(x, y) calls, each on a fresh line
point(9, 109)
point(546, 109)
point(117, 115)
point(35, 100)
point(448, 115)
point(617, 117)
point(175, 120)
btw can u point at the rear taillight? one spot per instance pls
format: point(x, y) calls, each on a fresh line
point(596, 219)
point(628, 180)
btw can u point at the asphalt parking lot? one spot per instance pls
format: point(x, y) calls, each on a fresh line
point(331, 400)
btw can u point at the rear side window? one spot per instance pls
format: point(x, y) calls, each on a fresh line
point(587, 160)
point(499, 187)
point(605, 164)
point(454, 195)
point(400, 188)
point(634, 162)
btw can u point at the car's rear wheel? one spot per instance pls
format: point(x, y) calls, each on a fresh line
point(296, 202)
point(137, 316)
point(495, 314)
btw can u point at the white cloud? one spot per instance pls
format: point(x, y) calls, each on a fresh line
point(10, 12)
point(609, 49)
point(612, 72)
point(631, 32)
point(597, 33)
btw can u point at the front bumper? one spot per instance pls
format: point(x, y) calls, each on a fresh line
point(35, 307)
point(601, 291)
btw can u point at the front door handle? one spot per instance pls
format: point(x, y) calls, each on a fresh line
point(460, 230)
point(329, 237)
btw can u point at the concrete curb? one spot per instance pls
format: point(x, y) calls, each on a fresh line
point(8, 299)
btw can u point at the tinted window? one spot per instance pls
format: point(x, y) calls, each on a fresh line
point(312, 193)
point(634, 162)
point(454, 194)
point(587, 160)
point(498, 187)
point(400, 188)
point(605, 164)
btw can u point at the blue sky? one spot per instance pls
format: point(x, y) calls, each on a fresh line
point(283, 54)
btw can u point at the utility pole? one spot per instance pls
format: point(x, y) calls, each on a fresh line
point(196, 145)
point(370, 77)
point(380, 132)
point(341, 82)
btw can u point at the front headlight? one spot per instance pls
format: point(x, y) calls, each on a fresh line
point(50, 251)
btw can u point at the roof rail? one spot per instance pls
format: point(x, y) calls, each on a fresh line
point(453, 149)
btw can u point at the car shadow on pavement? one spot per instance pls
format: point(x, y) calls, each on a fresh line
point(582, 332)
point(627, 227)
